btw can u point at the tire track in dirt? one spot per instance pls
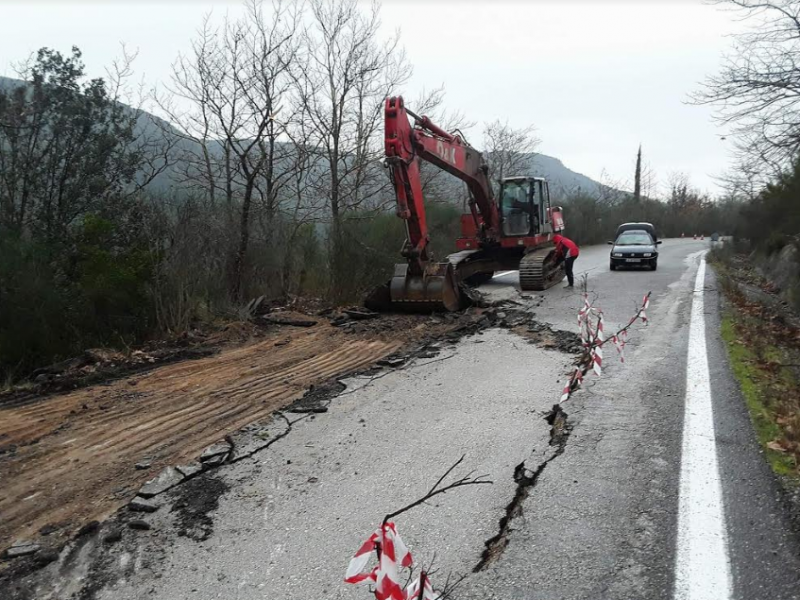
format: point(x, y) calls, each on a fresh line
point(75, 453)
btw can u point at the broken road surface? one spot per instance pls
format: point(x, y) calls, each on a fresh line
point(590, 510)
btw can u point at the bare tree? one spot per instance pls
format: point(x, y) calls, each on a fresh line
point(236, 82)
point(508, 150)
point(757, 92)
point(343, 80)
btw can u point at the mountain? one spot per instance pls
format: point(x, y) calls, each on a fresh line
point(563, 181)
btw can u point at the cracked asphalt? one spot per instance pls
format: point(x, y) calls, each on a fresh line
point(599, 521)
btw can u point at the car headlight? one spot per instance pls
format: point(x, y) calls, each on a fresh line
point(617, 255)
point(647, 254)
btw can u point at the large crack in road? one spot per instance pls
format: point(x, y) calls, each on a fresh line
point(526, 479)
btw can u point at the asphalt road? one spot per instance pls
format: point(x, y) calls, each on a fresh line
point(634, 506)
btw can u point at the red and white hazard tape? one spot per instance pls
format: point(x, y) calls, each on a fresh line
point(392, 556)
point(421, 589)
point(591, 327)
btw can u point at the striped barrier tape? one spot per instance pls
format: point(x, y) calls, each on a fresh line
point(421, 589)
point(591, 324)
point(386, 575)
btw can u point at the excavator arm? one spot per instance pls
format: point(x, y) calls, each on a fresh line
point(406, 145)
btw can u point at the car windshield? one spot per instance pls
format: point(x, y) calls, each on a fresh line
point(635, 238)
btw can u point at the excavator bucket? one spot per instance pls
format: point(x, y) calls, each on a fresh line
point(434, 290)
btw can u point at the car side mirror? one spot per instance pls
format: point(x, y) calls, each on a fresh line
point(658, 243)
point(610, 243)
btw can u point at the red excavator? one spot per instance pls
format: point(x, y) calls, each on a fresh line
point(512, 231)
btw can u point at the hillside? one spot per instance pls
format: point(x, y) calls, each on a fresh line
point(563, 181)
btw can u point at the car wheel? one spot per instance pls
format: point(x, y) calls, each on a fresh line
point(612, 266)
point(653, 265)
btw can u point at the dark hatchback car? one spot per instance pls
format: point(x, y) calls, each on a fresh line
point(634, 248)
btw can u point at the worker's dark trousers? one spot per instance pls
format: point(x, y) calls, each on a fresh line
point(568, 262)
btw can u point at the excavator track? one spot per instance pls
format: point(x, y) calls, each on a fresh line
point(538, 270)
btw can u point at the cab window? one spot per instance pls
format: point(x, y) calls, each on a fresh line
point(516, 210)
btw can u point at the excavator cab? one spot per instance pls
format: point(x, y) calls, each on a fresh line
point(524, 202)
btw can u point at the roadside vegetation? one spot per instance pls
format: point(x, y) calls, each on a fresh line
point(764, 349)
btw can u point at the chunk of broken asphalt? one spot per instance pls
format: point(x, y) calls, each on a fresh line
point(112, 536)
point(309, 409)
point(139, 504)
point(21, 548)
point(139, 525)
point(392, 362)
point(215, 460)
point(215, 450)
point(169, 477)
point(46, 556)
point(190, 469)
point(90, 527)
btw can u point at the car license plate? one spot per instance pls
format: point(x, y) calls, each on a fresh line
point(634, 260)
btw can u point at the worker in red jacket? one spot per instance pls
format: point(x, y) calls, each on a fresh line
point(566, 251)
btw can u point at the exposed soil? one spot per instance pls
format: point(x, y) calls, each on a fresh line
point(71, 458)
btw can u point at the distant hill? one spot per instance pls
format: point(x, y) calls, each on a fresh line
point(563, 181)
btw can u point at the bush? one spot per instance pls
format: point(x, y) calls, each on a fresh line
point(56, 300)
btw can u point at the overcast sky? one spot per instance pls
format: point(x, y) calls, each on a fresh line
point(595, 78)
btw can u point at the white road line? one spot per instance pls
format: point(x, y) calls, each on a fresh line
point(503, 273)
point(702, 566)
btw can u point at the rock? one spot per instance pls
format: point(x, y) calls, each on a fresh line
point(144, 464)
point(214, 450)
point(90, 527)
point(143, 505)
point(392, 362)
point(313, 479)
point(46, 556)
point(168, 478)
point(191, 469)
point(112, 536)
point(215, 461)
point(21, 548)
point(47, 529)
point(139, 525)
